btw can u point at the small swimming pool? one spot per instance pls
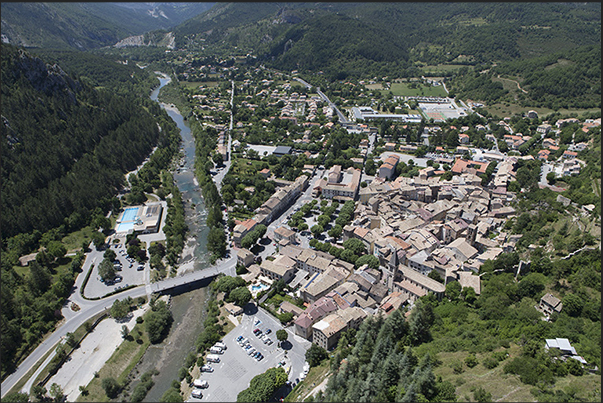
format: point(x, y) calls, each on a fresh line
point(260, 287)
point(129, 214)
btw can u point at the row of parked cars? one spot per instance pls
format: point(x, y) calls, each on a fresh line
point(130, 259)
point(249, 349)
point(263, 336)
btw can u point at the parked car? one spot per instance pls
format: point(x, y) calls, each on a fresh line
point(140, 268)
point(268, 331)
point(196, 393)
point(207, 368)
point(200, 383)
point(220, 345)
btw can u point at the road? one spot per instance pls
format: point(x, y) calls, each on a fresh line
point(341, 116)
point(89, 308)
point(222, 171)
point(544, 170)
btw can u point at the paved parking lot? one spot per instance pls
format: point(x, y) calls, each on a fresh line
point(95, 288)
point(236, 369)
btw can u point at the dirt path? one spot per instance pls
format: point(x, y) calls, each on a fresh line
point(505, 396)
point(322, 386)
point(518, 86)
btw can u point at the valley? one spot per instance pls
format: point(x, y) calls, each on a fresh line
point(410, 222)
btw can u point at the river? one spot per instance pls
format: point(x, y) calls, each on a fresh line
point(188, 308)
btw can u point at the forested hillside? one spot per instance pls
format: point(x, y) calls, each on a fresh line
point(106, 71)
point(379, 365)
point(85, 26)
point(84, 140)
point(65, 149)
point(367, 37)
point(559, 80)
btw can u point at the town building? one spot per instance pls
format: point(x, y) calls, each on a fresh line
point(245, 257)
point(326, 332)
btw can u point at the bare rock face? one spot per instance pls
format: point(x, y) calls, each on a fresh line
point(136, 40)
point(168, 40)
point(46, 78)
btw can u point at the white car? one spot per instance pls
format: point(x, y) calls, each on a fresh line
point(197, 394)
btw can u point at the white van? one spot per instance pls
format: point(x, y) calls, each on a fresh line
point(216, 350)
point(213, 358)
point(220, 345)
point(200, 383)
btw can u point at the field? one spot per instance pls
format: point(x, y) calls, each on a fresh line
point(197, 84)
point(506, 109)
point(508, 84)
point(443, 68)
point(119, 365)
point(404, 90)
point(504, 387)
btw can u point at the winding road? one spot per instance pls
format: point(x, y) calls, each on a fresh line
point(90, 308)
point(516, 82)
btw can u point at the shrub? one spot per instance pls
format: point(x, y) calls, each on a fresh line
point(480, 395)
point(457, 367)
point(111, 387)
point(490, 363)
point(182, 372)
point(471, 361)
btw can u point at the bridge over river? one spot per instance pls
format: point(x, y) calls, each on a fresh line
point(91, 308)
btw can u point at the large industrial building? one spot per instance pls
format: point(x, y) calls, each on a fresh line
point(367, 113)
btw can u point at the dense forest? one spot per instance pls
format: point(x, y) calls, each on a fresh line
point(113, 72)
point(66, 147)
point(90, 139)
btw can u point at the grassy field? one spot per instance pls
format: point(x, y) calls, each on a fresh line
point(197, 84)
point(73, 241)
point(119, 366)
point(245, 167)
point(508, 84)
point(443, 68)
point(404, 90)
point(502, 110)
point(504, 387)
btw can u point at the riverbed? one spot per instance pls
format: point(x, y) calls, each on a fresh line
point(188, 308)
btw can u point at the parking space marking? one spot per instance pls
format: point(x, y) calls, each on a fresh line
point(220, 395)
point(234, 370)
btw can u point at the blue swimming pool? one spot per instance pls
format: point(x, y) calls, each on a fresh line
point(125, 226)
point(129, 214)
point(260, 287)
